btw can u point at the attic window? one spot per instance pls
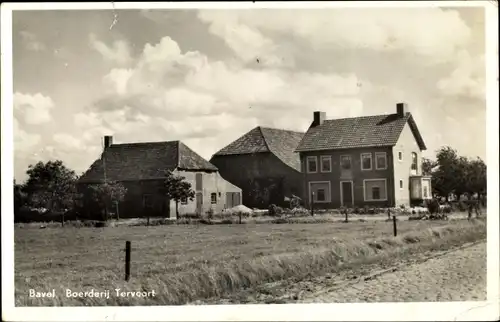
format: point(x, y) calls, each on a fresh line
point(414, 163)
point(400, 156)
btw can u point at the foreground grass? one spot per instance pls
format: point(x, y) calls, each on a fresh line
point(185, 263)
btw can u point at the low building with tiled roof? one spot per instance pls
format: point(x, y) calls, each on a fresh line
point(141, 167)
point(264, 164)
point(368, 160)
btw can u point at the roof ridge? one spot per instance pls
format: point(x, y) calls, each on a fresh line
point(278, 129)
point(359, 117)
point(264, 138)
point(140, 143)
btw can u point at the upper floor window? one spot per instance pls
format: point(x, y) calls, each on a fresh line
point(199, 181)
point(380, 160)
point(326, 163)
point(366, 161)
point(213, 198)
point(345, 162)
point(414, 161)
point(400, 156)
point(312, 164)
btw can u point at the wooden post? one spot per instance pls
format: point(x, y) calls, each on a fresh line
point(389, 213)
point(62, 219)
point(395, 227)
point(117, 211)
point(346, 219)
point(127, 260)
point(239, 214)
point(312, 203)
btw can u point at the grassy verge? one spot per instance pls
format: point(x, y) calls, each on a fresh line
point(190, 281)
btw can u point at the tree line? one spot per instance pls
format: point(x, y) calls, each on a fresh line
point(51, 187)
point(456, 175)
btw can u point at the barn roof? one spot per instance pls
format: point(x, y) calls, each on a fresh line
point(142, 161)
point(281, 143)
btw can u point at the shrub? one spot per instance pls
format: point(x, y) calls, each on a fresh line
point(433, 206)
point(275, 210)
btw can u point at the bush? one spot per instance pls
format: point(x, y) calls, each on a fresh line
point(433, 206)
point(275, 210)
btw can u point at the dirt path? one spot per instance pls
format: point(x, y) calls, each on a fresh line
point(457, 276)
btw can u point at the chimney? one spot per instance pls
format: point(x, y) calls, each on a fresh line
point(108, 141)
point(319, 118)
point(402, 109)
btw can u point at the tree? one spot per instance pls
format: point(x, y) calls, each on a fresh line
point(476, 177)
point(427, 166)
point(106, 194)
point(51, 185)
point(20, 197)
point(446, 179)
point(177, 189)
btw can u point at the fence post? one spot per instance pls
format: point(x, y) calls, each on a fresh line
point(127, 260)
point(389, 213)
point(240, 216)
point(62, 219)
point(312, 203)
point(346, 219)
point(117, 210)
point(395, 227)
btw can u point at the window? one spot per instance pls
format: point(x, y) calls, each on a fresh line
point(312, 165)
point(345, 162)
point(320, 191)
point(380, 160)
point(400, 156)
point(199, 181)
point(414, 160)
point(426, 192)
point(366, 161)
point(375, 189)
point(213, 198)
point(147, 201)
point(326, 163)
point(184, 201)
point(400, 184)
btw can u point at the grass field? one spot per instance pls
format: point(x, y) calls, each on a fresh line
point(183, 263)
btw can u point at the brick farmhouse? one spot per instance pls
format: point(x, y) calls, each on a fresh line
point(364, 161)
point(140, 167)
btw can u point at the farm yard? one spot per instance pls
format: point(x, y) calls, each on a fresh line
point(188, 263)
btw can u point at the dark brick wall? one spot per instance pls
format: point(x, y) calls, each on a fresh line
point(263, 178)
point(356, 175)
point(132, 205)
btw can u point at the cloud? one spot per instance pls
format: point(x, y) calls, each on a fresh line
point(467, 79)
point(24, 141)
point(118, 53)
point(34, 109)
point(247, 42)
point(169, 95)
point(31, 42)
point(385, 30)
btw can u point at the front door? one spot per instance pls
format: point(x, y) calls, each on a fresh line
point(346, 194)
point(199, 202)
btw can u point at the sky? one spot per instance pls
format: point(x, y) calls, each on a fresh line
point(206, 77)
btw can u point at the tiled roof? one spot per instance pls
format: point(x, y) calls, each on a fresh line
point(358, 132)
point(281, 143)
point(140, 161)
